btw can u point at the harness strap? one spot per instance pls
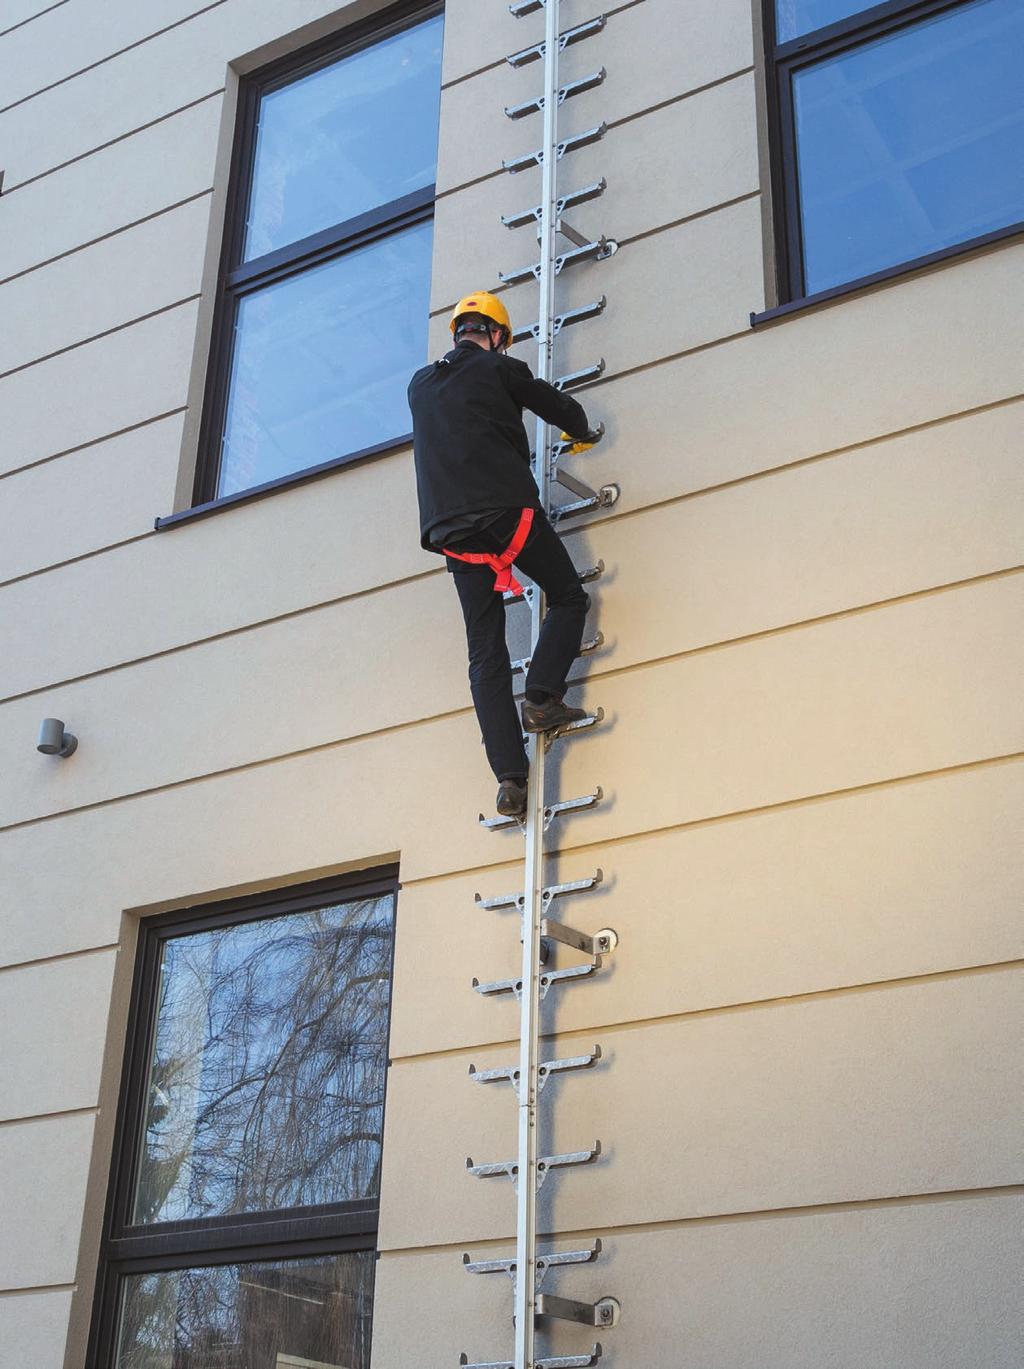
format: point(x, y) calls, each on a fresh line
point(501, 565)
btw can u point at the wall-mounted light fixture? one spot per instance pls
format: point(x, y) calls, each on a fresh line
point(53, 740)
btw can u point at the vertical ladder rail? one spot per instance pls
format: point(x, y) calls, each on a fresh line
point(525, 1303)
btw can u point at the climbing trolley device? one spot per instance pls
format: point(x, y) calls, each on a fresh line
point(561, 247)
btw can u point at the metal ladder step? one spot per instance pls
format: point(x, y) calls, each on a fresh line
point(586, 577)
point(558, 1362)
point(552, 811)
point(560, 321)
point(570, 144)
point(589, 192)
point(566, 92)
point(495, 987)
point(522, 665)
point(597, 249)
point(509, 1169)
point(538, 51)
point(510, 1073)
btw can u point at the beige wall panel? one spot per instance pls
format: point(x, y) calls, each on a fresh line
point(913, 687)
point(105, 286)
point(274, 556)
point(33, 1328)
point(812, 384)
point(41, 1214)
point(116, 487)
point(73, 37)
point(678, 48)
point(135, 177)
point(706, 274)
point(714, 159)
point(54, 1018)
point(885, 884)
point(98, 389)
point(347, 807)
point(904, 516)
point(930, 1285)
point(150, 81)
point(822, 1101)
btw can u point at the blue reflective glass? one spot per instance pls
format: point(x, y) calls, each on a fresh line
point(322, 360)
point(794, 17)
point(911, 143)
point(345, 139)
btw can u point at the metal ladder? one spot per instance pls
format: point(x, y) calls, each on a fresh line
point(529, 1169)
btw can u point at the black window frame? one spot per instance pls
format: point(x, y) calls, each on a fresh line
point(288, 1233)
point(782, 60)
point(237, 278)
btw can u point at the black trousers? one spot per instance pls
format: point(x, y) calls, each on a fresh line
point(545, 560)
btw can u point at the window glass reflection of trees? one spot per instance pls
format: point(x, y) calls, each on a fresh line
point(266, 1083)
point(250, 1316)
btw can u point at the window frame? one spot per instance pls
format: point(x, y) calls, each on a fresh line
point(782, 60)
point(237, 278)
point(286, 1233)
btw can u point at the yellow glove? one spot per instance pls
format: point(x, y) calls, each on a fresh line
point(581, 444)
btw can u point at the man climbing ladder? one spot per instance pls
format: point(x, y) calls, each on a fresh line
point(479, 507)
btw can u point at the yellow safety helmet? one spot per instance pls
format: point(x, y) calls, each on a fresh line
point(483, 303)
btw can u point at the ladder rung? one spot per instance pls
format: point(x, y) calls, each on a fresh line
point(534, 215)
point(545, 1164)
point(510, 1073)
point(586, 576)
point(523, 7)
point(560, 449)
point(600, 249)
point(566, 92)
point(570, 144)
point(605, 497)
point(543, 1262)
point(569, 1361)
point(553, 891)
point(574, 35)
point(522, 665)
point(570, 729)
point(495, 987)
point(566, 320)
point(480, 1364)
point(568, 382)
point(552, 811)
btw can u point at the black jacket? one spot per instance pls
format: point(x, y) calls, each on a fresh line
point(470, 445)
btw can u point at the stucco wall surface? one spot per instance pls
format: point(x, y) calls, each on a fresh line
point(809, 1100)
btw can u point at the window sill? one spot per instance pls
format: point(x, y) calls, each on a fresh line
point(284, 482)
point(800, 306)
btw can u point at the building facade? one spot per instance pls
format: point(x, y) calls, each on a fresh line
point(238, 934)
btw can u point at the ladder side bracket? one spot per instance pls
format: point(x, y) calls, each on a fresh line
point(571, 144)
point(604, 498)
point(566, 92)
point(605, 1312)
point(525, 216)
point(601, 943)
point(538, 51)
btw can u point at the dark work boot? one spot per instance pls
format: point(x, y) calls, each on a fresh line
point(511, 800)
point(550, 714)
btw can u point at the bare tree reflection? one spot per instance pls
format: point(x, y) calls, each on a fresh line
point(267, 1077)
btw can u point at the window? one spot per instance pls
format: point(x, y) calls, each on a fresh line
point(325, 277)
point(897, 134)
point(242, 1212)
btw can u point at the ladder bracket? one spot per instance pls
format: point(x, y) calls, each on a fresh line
point(566, 320)
point(552, 811)
point(570, 144)
point(602, 1313)
point(538, 51)
point(545, 1164)
point(543, 1263)
point(534, 215)
point(575, 378)
point(604, 498)
point(553, 891)
point(598, 250)
point(566, 92)
point(600, 944)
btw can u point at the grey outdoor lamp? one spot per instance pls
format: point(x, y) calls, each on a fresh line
point(53, 740)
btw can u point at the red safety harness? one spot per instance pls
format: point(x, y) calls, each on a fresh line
point(501, 565)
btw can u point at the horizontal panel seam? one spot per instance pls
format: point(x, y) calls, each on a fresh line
point(92, 442)
point(105, 949)
point(74, 560)
point(586, 1234)
point(110, 56)
point(98, 337)
point(111, 142)
point(611, 124)
point(493, 66)
point(38, 1289)
point(105, 237)
point(749, 1005)
point(32, 18)
point(603, 844)
point(32, 1118)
